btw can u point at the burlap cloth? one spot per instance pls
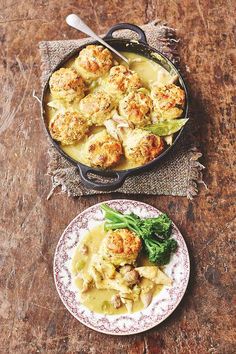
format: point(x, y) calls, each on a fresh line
point(177, 174)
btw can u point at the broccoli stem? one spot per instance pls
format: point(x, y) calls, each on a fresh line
point(116, 220)
point(113, 226)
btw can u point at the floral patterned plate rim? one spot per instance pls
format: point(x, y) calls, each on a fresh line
point(163, 304)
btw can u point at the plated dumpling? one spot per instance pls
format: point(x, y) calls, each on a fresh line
point(121, 247)
point(103, 150)
point(93, 62)
point(121, 80)
point(141, 146)
point(97, 107)
point(68, 127)
point(136, 108)
point(67, 84)
point(168, 101)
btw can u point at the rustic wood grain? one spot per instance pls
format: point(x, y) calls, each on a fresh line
point(32, 317)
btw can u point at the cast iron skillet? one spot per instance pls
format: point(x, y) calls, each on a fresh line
point(108, 180)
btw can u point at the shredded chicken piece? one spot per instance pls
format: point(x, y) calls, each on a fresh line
point(116, 301)
point(127, 300)
point(84, 250)
point(132, 277)
point(146, 297)
point(154, 274)
point(126, 268)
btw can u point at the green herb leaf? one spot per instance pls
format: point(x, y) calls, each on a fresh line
point(166, 127)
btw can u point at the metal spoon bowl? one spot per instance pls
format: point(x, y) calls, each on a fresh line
point(76, 22)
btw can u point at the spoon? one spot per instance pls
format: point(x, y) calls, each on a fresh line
point(76, 22)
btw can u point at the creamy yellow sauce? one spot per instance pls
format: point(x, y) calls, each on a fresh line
point(98, 300)
point(149, 71)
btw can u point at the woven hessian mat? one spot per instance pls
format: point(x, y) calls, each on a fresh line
point(177, 174)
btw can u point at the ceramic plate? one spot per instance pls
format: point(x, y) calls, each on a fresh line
point(163, 304)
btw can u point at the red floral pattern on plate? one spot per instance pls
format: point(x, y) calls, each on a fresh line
point(162, 305)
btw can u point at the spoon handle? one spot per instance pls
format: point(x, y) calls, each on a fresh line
point(76, 22)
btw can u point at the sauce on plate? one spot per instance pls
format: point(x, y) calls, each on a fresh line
point(98, 300)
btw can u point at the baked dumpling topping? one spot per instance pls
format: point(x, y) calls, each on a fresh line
point(97, 107)
point(141, 146)
point(68, 127)
point(118, 119)
point(67, 84)
point(136, 108)
point(168, 101)
point(103, 150)
point(121, 80)
point(93, 62)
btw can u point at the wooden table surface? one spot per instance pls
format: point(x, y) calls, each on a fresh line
point(32, 317)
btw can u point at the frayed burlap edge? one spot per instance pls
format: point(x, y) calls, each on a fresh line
point(67, 185)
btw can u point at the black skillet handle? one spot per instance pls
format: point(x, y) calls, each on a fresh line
point(130, 26)
point(90, 183)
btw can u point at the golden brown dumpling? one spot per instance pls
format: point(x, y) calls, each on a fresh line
point(121, 80)
point(168, 101)
point(97, 107)
point(136, 108)
point(121, 247)
point(66, 84)
point(68, 127)
point(103, 150)
point(140, 146)
point(93, 62)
